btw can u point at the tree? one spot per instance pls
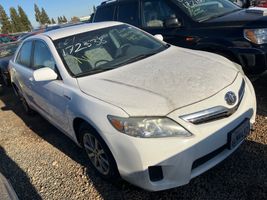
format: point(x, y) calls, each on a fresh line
point(16, 24)
point(59, 20)
point(64, 19)
point(4, 20)
point(44, 17)
point(53, 21)
point(37, 14)
point(26, 24)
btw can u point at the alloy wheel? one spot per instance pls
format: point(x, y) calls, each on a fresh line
point(96, 153)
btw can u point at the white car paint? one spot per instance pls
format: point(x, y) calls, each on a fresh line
point(172, 83)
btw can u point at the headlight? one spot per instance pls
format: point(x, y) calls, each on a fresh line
point(149, 127)
point(257, 36)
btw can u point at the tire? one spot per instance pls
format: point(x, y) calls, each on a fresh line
point(1, 89)
point(100, 157)
point(5, 80)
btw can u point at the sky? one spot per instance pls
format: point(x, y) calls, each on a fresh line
point(54, 8)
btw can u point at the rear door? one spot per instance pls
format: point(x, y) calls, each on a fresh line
point(105, 13)
point(23, 72)
point(128, 12)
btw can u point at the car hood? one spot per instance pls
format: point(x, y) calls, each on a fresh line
point(244, 17)
point(161, 83)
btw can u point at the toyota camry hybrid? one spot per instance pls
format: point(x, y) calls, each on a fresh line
point(151, 113)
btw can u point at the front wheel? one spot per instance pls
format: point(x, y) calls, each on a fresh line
point(100, 157)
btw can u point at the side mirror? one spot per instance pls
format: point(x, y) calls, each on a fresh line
point(172, 22)
point(159, 37)
point(44, 74)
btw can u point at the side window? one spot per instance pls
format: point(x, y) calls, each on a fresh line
point(42, 56)
point(105, 13)
point(155, 12)
point(128, 13)
point(24, 55)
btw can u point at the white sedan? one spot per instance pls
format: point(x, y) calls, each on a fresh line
point(154, 114)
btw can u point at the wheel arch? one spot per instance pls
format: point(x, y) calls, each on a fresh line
point(77, 122)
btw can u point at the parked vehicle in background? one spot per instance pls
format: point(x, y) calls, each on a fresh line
point(261, 3)
point(217, 26)
point(242, 3)
point(5, 38)
point(6, 53)
point(155, 114)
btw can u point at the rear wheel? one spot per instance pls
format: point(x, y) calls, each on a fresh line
point(1, 89)
point(5, 79)
point(25, 105)
point(100, 157)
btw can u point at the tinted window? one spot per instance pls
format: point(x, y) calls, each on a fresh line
point(104, 13)
point(128, 13)
point(24, 56)
point(155, 12)
point(42, 56)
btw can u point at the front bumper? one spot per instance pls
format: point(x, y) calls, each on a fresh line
point(178, 157)
point(253, 60)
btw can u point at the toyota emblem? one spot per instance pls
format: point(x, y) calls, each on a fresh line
point(230, 98)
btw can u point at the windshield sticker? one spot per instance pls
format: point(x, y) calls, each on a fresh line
point(70, 46)
point(190, 3)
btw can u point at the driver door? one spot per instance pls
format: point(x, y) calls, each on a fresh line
point(49, 95)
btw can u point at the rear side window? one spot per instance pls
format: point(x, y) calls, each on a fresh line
point(128, 13)
point(24, 56)
point(155, 12)
point(104, 13)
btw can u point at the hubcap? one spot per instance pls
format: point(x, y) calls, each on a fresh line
point(96, 153)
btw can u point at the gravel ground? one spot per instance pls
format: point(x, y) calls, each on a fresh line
point(42, 163)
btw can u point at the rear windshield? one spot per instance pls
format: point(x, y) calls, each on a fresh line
point(105, 49)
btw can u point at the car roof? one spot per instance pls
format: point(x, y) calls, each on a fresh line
point(81, 28)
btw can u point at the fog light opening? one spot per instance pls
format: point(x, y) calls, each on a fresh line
point(155, 173)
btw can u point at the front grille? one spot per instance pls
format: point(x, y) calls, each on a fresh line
point(208, 157)
point(215, 113)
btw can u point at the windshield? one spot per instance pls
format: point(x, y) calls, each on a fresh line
point(8, 49)
point(201, 10)
point(105, 49)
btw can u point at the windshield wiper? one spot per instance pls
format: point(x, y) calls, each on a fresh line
point(94, 71)
point(220, 15)
point(136, 58)
point(131, 60)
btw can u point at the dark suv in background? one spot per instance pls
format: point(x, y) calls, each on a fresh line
point(217, 26)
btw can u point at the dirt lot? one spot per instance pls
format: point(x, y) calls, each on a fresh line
point(42, 163)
